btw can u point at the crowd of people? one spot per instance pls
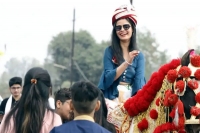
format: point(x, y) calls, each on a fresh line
point(83, 107)
point(80, 108)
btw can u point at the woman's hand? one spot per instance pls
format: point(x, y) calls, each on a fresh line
point(132, 55)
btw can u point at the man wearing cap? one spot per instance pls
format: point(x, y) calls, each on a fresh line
point(15, 87)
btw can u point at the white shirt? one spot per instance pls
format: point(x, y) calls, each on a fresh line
point(51, 102)
point(1, 99)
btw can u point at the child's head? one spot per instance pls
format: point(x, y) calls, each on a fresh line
point(85, 98)
point(62, 103)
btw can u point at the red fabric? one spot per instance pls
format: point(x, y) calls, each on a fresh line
point(164, 128)
point(195, 111)
point(114, 60)
point(197, 97)
point(184, 71)
point(181, 121)
point(153, 114)
point(152, 87)
point(143, 124)
point(181, 117)
point(180, 85)
point(197, 74)
point(180, 107)
point(124, 12)
point(195, 60)
point(172, 75)
point(158, 101)
point(166, 102)
point(172, 113)
point(172, 99)
point(193, 84)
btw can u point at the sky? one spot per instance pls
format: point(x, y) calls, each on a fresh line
point(27, 27)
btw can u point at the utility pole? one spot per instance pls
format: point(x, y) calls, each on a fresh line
point(72, 49)
point(131, 1)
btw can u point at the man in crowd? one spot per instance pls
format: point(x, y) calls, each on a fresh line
point(15, 87)
point(84, 104)
point(62, 104)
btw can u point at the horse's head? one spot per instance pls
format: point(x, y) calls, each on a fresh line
point(174, 90)
point(185, 81)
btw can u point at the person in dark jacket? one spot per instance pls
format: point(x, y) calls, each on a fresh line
point(84, 104)
point(62, 104)
point(15, 87)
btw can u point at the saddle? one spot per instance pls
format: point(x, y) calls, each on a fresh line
point(118, 116)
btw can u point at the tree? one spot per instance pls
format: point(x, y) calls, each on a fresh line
point(55, 78)
point(4, 91)
point(15, 67)
point(197, 50)
point(87, 56)
point(153, 56)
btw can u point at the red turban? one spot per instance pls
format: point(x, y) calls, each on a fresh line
point(125, 11)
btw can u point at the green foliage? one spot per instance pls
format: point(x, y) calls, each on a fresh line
point(197, 50)
point(87, 54)
point(65, 84)
point(15, 67)
point(55, 79)
point(4, 79)
point(153, 56)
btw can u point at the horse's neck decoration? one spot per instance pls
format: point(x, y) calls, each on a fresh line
point(144, 111)
point(186, 85)
point(169, 100)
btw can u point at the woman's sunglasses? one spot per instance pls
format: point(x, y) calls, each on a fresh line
point(119, 27)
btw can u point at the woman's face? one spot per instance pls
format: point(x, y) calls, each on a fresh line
point(123, 29)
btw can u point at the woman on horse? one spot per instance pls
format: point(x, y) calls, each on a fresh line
point(124, 65)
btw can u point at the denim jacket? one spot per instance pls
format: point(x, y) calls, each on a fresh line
point(134, 75)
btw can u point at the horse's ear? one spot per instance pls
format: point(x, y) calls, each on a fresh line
point(185, 60)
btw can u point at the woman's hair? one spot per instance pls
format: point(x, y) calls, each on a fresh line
point(28, 114)
point(115, 42)
point(100, 116)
